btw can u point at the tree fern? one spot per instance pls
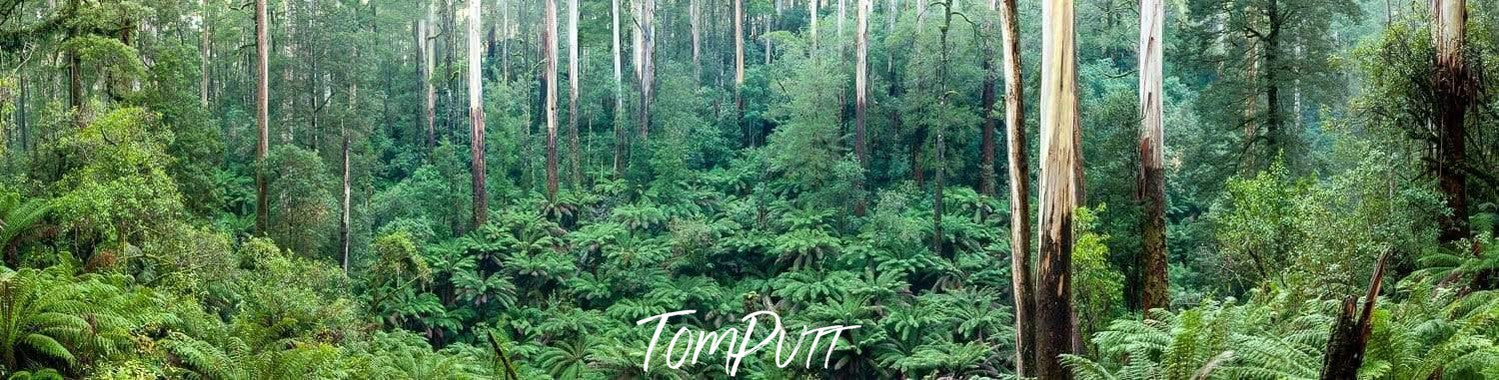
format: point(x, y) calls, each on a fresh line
point(17, 217)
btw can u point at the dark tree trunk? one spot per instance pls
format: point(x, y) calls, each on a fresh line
point(1020, 204)
point(987, 174)
point(1274, 136)
point(1350, 333)
point(1455, 89)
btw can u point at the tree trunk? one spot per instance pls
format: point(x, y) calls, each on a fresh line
point(637, 38)
point(344, 218)
point(262, 118)
point(694, 14)
point(549, 40)
point(986, 98)
point(619, 97)
point(648, 66)
point(769, 53)
point(1349, 337)
point(75, 74)
point(505, 40)
point(204, 49)
point(861, 94)
point(812, 27)
point(1060, 188)
point(1455, 89)
point(574, 76)
point(1020, 201)
point(1152, 183)
point(1273, 132)
point(424, 72)
point(450, 27)
point(739, 70)
point(841, 15)
point(1020, 193)
point(476, 117)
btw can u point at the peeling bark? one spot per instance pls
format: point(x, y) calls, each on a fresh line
point(1061, 191)
point(1152, 182)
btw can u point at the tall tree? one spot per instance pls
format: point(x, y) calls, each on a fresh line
point(812, 26)
point(1152, 180)
point(262, 117)
point(647, 65)
point(476, 115)
point(841, 15)
point(986, 99)
point(694, 19)
point(619, 95)
point(424, 71)
point(345, 214)
point(205, 45)
point(1020, 201)
point(574, 76)
point(75, 65)
point(1455, 89)
point(861, 93)
point(1060, 188)
point(739, 69)
point(549, 71)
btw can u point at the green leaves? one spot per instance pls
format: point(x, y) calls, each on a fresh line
point(18, 217)
point(50, 315)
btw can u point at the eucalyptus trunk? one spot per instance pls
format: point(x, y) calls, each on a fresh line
point(549, 72)
point(1020, 201)
point(1060, 192)
point(574, 76)
point(861, 94)
point(1455, 90)
point(1152, 181)
point(476, 116)
point(262, 117)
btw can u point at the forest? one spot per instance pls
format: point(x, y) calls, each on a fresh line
point(919, 189)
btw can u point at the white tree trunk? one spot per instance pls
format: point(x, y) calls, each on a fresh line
point(1152, 185)
point(574, 76)
point(476, 115)
point(1060, 188)
point(549, 71)
point(812, 25)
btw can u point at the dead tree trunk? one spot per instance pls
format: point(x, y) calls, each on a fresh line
point(1350, 334)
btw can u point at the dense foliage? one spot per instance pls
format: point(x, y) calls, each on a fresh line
point(128, 213)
